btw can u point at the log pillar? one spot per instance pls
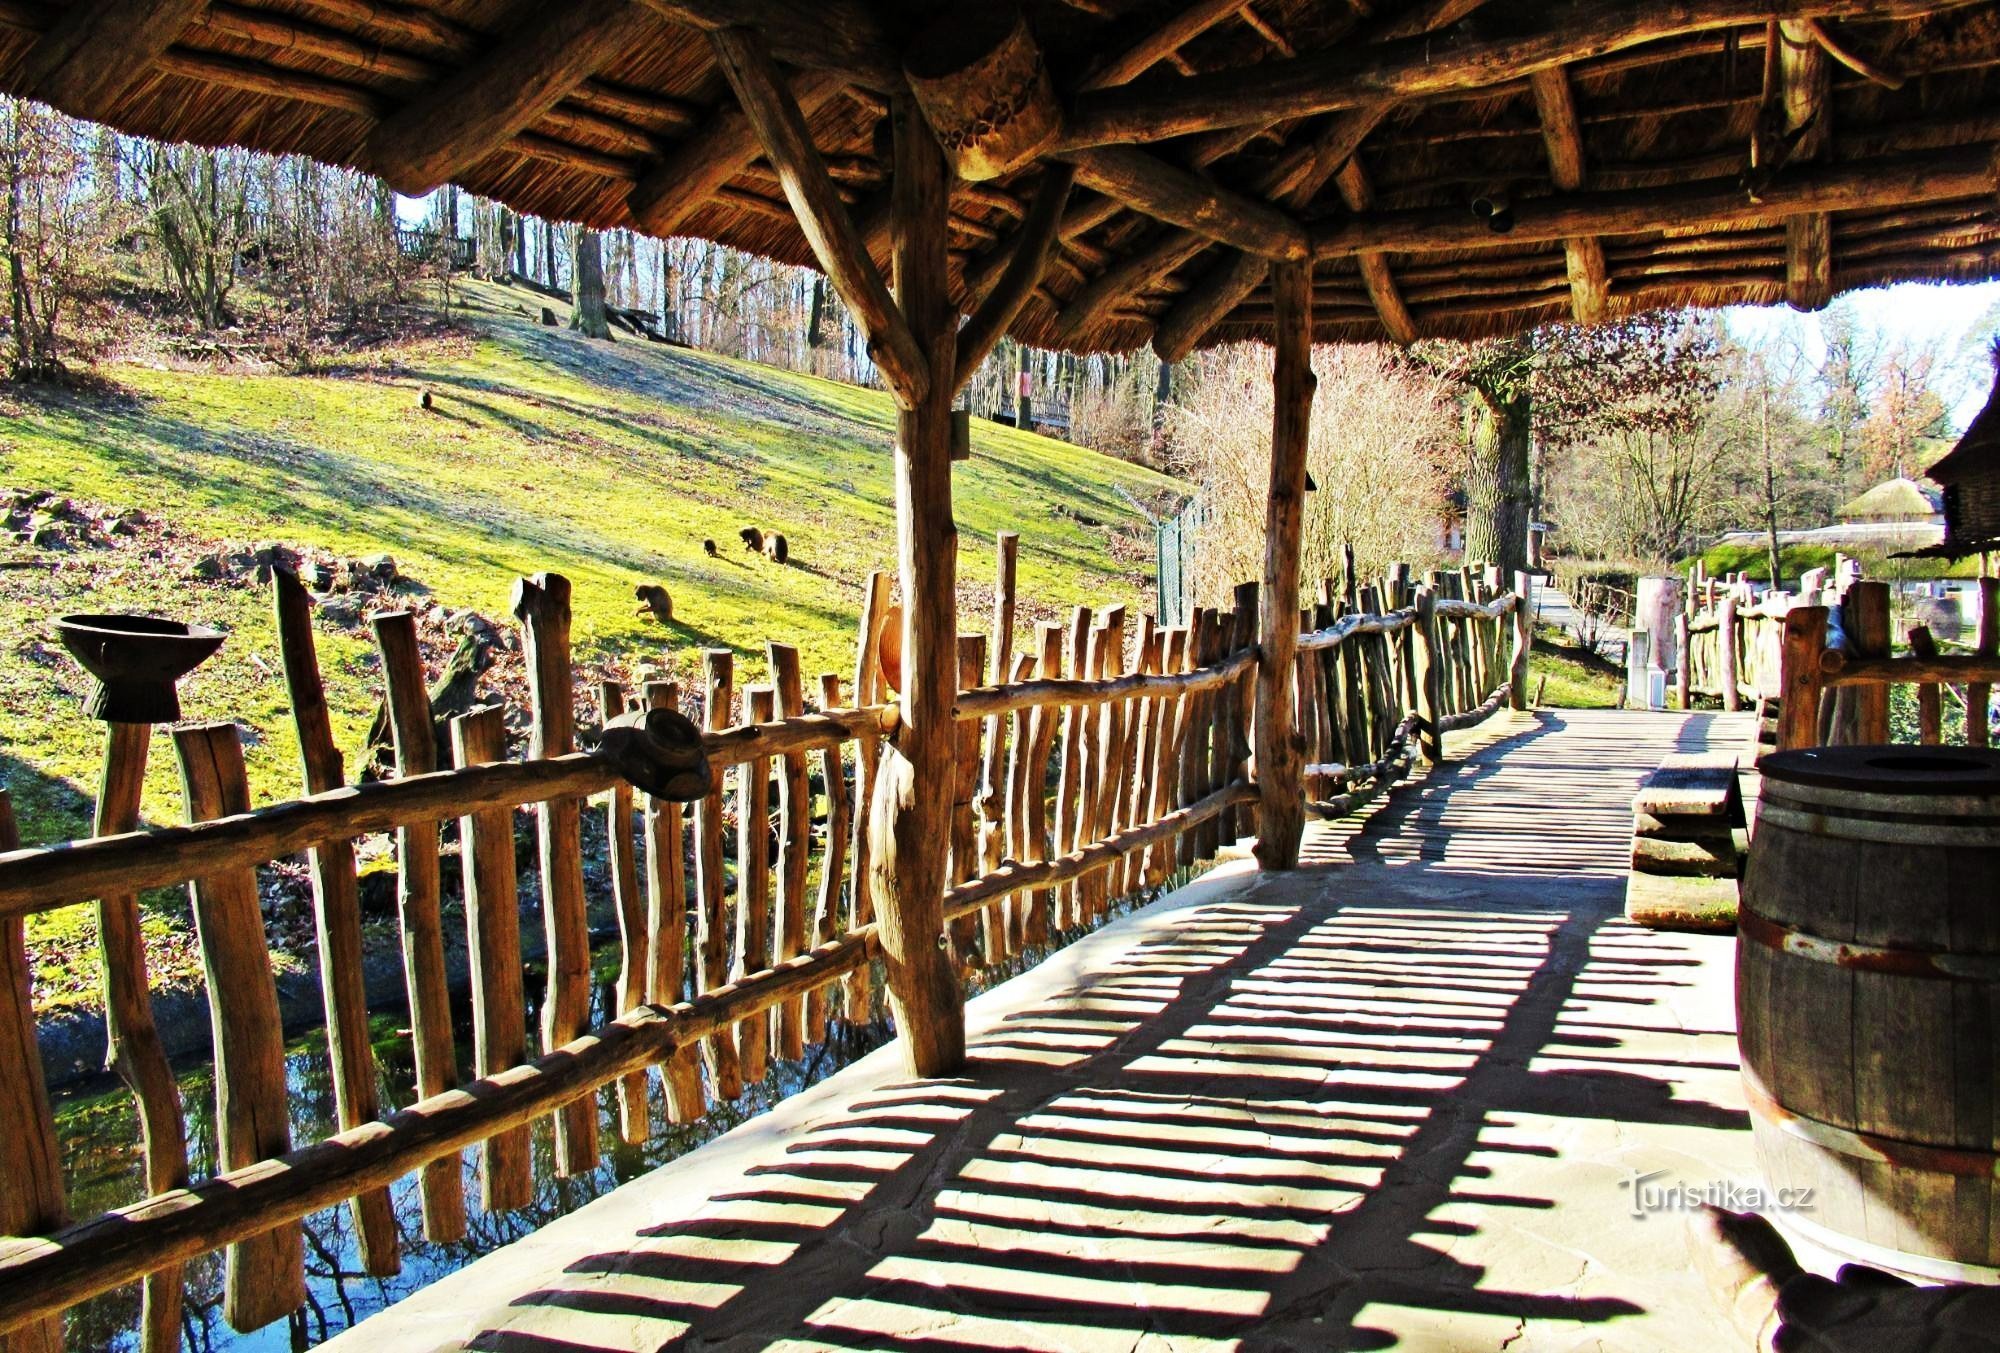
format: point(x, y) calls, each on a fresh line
point(1280, 752)
point(912, 799)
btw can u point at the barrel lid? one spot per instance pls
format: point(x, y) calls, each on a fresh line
point(1889, 770)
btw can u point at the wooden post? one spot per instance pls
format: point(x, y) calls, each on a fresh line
point(418, 907)
point(667, 927)
point(265, 1276)
point(1524, 640)
point(1430, 678)
point(1020, 750)
point(1800, 676)
point(1240, 700)
point(1986, 640)
point(867, 760)
point(992, 786)
point(1041, 741)
point(753, 883)
point(541, 604)
point(1861, 713)
point(1683, 662)
point(493, 941)
point(1069, 776)
point(1166, 756)
point(794, 849)
point(911, 804)
point(1930, 705)
point(712, 918)
point(1193, 738)
point(634, 943)
point(1281, 814)
point(31, 1188)
point(966, 936)
point(833, 861)
point(1726, 652)
point(336, 917)
point(135, 1052)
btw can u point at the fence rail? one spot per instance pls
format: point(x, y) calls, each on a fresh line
point(1097, 764)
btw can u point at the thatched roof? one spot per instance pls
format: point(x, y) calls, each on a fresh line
point(1900, 499)
point(1611, 140)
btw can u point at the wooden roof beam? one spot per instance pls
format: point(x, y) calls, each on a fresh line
point(1894, 181)
point(1376, 279)
point(1349, 76)
point(1805, 75)
point(96, 50)
point(781, 129)
point(672, 191)
point(1126, 277)
point(1166, 192)
point(836, 35)
point(1159, 43)
point(1034, 240)
point(481, 106)
point(1562, 135)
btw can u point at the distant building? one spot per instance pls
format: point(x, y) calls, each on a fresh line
point(1892, 500)
point(1970, 475)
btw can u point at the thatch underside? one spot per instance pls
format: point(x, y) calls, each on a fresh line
point(1625, 174)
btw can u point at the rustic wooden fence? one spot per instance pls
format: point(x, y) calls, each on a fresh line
point(1084, 775)
point(1730, 642)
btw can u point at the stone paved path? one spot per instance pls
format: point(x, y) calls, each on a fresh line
point(1396, 1099)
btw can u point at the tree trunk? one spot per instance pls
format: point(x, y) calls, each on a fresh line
point(816, 318)
point(1024, 400)
point(1496, 482)
point(588, 317)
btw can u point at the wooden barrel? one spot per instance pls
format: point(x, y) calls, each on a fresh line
point(1868, 1000)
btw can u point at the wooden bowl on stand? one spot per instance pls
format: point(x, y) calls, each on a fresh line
point(138, 661)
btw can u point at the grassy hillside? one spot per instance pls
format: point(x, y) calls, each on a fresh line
point(610, 463)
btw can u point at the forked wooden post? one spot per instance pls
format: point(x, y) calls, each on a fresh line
point(867, 762)
point(1281, 814)
point(1524, 640)
point(992, 780)
point(911, 812)
point(1430, 677)
point(31, 1188)
point(1801, 680)
point(712, 916)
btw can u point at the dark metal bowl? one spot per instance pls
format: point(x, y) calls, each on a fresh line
point(137, 659)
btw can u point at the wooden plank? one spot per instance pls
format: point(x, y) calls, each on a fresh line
point(833, 860)
point(794, 849)
point(31, 1188)
point(667, 927)
point(336, 917)
point(712, 914)
point(753, 885)
point(419, 909)
point(634, 957)
point(264, 1277)
point(541, 604)
point(493, 944)
point(135, 1051)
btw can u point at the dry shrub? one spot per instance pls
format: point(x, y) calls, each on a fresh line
point(1384, 434)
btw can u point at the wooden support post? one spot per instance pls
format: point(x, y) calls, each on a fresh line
point(420, 911)
point(336, 917)
point(265, 1277)
point(1801, 681)
point(712, 919)
point(634, 958)
point(833, 861)
point(1430, 677)
point(1524, 640)
point(1725, 648)
point(794, 849)
point(1986, 643)
point(31, 1188)
point(867, 761)
point(1930, 704)
point(135, 1052)
point(541, 604)
point(753, 883)
point(493, 941)
point(1041, 741)
point(1280, 758)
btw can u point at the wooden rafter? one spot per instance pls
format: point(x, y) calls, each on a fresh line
point(1583, 255)
point(781, 128)
point(1159, 42)
point(668, 194)
point(1186, 199)
point(836, 35)
point(96, 50)
point(1348, 77)
point(1805, 82)
point(1126, 277)
point(1901, 180)
point(481, 106)
point(1383, 294)
point(1032, 244)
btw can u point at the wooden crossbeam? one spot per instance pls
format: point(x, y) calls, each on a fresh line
point(479, 107)
point(1383, 294)
point(1127, 277)
point(1806, 97)
point(1181, 197)
point(1160, 41)
point(1562, 135)
point(1032, 244)
point(1901, 180)
point(96, 50)
point(1348, 76)
point(822, 216)
point(668, 194)
point(837, 35)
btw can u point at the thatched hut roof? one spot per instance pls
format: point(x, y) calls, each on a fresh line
point(1900, 499)
point(1609, 143)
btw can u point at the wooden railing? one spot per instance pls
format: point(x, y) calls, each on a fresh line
point(1729, 643)
point(1079, 782)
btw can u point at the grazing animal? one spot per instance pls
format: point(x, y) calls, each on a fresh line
point(708, 548)
point(775, 548)
point(752, 538)
point(548, 317)
point(654, 598)
point(425, 399)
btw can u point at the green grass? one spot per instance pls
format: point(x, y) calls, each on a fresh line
point(609, 463)
point(1563, 676)
point(1794, 560)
